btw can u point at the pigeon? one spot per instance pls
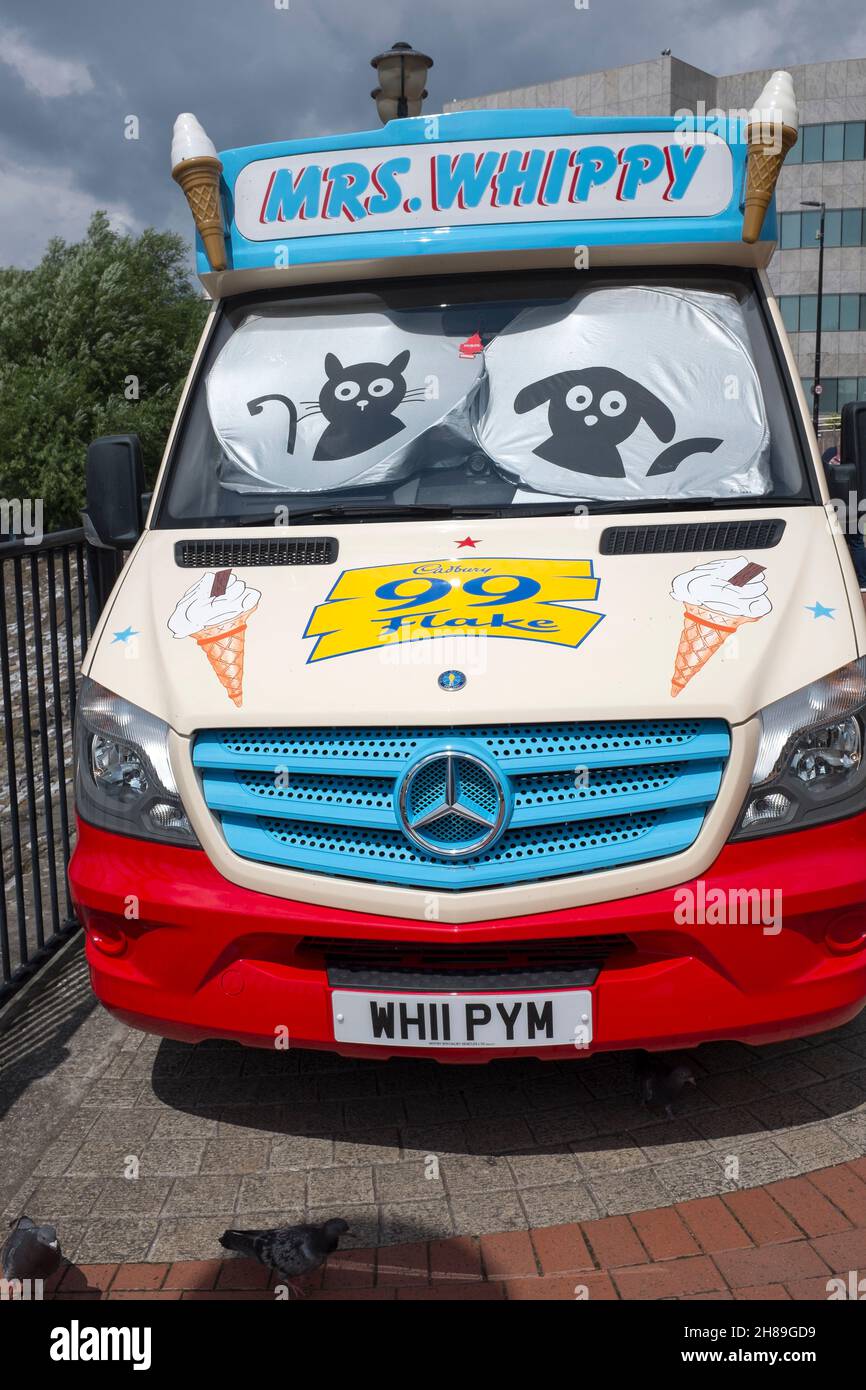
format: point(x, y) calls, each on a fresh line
point(661, 1084)
point(31, 1251)
point(290, 1250)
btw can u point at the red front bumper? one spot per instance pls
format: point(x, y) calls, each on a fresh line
point(203, 958)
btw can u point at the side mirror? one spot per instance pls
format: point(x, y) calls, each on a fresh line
point(115, 483)
point(852, 446)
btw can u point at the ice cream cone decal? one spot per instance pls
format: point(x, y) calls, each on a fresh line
point(196, 167)
point(771, 132)
point(215, 611)
point(718, 598)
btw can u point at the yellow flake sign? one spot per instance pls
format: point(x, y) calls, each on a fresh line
point(531, 600)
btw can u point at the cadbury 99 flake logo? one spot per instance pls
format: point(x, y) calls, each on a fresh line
point(528, 600)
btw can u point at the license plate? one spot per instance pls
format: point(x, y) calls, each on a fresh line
point(556, 1019)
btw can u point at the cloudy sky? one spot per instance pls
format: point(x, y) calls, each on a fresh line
point(253, 70)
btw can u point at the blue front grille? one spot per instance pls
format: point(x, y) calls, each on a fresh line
point(583, 797)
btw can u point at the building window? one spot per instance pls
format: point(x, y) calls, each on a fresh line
point(840, 313)
point(811, 223)
point(855, 137)
point(842, 227)
point(836, 392)
point(825, 144)
point(846, 390)
point(849, 312)
point(833, 227)
point(834, 142)
point(852, 228)
point(829, 396)
point(808, 313)
point(789, 307)
point(813, 144)
point(830, 313)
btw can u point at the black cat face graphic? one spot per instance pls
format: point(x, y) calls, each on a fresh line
point(358, 403)
point(591, 412)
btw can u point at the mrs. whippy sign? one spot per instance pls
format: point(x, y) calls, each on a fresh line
point(548, 178)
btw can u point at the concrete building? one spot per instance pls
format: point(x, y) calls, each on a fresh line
point(827, 164)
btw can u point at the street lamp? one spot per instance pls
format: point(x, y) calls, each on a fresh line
point(402, 74)
point(816, 383)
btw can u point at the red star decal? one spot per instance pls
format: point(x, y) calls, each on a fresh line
point(468, 541)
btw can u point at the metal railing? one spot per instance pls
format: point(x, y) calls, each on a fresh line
point(51, 594)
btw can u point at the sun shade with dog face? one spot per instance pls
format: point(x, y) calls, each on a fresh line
point(628, 392)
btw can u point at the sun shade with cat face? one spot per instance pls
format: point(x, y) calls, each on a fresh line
point(309, 404)
point(628, 392)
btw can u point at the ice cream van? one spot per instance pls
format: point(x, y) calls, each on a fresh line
point(488, 675)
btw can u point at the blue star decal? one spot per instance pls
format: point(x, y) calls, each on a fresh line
point(819, 611)
point(124, 636)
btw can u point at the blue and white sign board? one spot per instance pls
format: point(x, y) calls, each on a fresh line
point(492, 181)
point(484, 181)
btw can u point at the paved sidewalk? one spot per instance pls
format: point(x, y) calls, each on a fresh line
point(780, 1242)
point(142, 1150)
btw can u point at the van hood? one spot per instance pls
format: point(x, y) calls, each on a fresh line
point(501, 620)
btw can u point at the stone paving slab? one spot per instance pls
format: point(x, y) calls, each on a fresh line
point(145, 1150)
point(785, 1242)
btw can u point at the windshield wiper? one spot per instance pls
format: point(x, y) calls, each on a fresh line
point(678, 504)
point(421, 511)
point(351, 511)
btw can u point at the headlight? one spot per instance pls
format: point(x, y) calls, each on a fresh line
point(123, 776)
point(810, 765)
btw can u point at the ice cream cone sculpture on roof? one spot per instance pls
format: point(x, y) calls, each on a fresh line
point(771, 132)
point(718, 598)
point(196, 167)
point(215, 611)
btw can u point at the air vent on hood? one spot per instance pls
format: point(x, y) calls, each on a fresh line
point(691, 536)
point(294, 550)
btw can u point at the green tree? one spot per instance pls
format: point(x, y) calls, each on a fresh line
point(72, 334)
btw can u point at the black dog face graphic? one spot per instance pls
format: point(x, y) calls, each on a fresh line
point(591, 412)
point(358, 403)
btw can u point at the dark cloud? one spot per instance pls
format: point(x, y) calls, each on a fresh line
point(252, 71)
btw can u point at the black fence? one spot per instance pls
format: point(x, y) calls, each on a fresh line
point(51, 595)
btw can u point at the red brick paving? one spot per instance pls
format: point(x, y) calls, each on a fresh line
point(712, 1225)
point(664, 1234)
point(350, 1269)
point(780, 1242)
point(769, 1293)
point(193, 1274)
point(456, 1259)
point(561, 1249)
point(243, 1274)
point(761, 1218)
point(845, 1189)
point(810, 1208)
point(614, 1241)
point(131, 1277)
point(509, 1256)
point(403, 1264)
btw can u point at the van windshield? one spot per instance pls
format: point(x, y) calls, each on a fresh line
point(533, 393)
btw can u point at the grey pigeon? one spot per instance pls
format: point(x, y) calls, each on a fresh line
point(661, 1084)
point(290, 1250)
point(31, 1251)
